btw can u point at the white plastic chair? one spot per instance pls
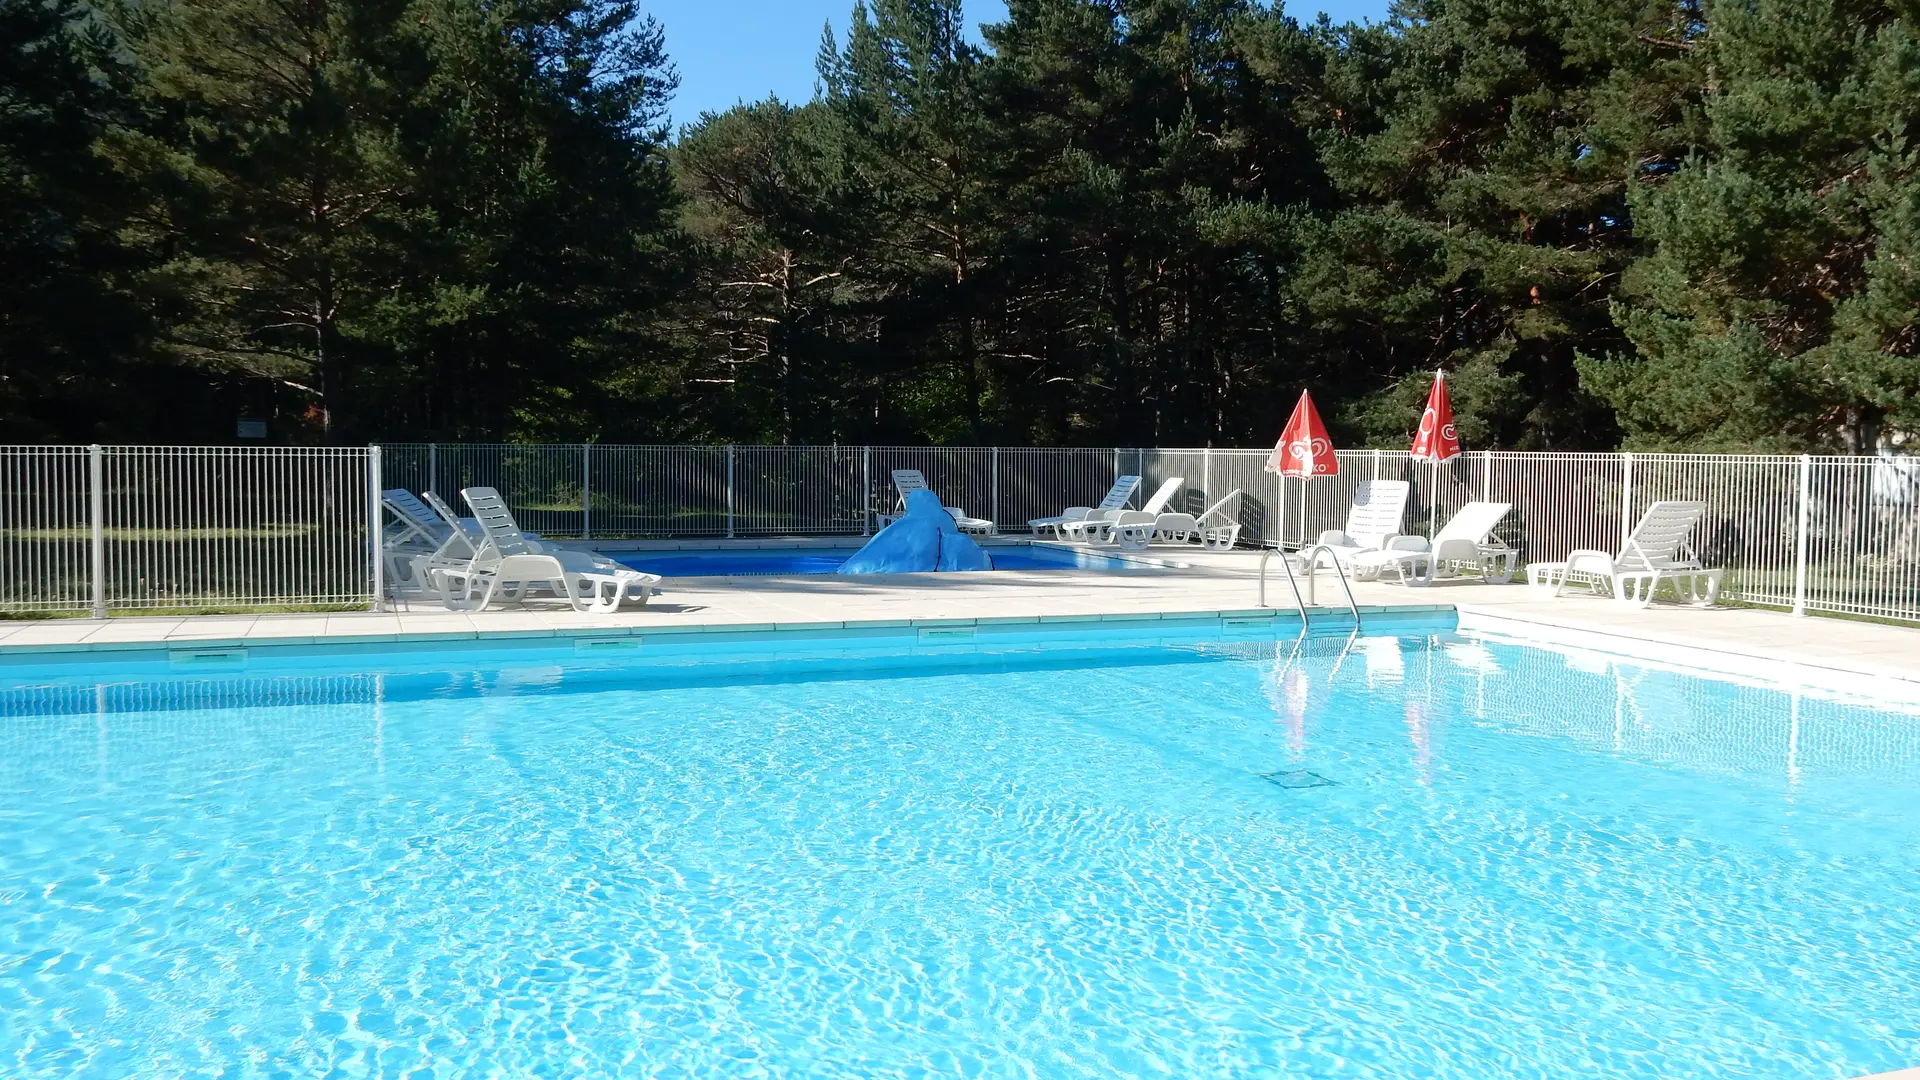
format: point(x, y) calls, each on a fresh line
point(1374, 517)
point(509, 564)
point(1657, 550)
point(1116, 499)
point(1106, 525)
point(1214, 535)
point(1466, 540)
point(905, 480)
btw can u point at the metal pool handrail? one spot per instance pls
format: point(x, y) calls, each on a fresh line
point(1295, 584)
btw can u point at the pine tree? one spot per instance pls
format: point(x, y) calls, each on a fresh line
point(1778, 304)
point(780, 324)
point(538, 227)
point(283, 139)
point(1483, 147)
point(904, 95)
point(72, 320)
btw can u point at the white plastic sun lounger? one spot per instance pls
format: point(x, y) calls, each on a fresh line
point(424, 535)
point(1102, 526)
point(905, 480)
point(1116, 499)
point(1212, 529)
point(1378, 506)
point(509, 564)
point(1657, 550)
point(1466, 540)
point(1372, 520)
point(414, 523)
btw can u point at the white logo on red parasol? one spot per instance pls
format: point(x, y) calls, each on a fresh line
point(1304, 449)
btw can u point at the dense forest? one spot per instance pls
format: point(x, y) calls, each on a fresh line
point(1657, 224)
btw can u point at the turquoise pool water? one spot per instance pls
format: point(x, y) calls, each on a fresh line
point(1413, 856)
point(762, 561)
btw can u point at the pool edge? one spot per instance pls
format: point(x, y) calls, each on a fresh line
point(1287, 619)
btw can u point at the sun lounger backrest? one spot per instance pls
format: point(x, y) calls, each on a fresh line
point(1215, 508)
point(905, 480)
point(408, 505)
point(444, 511)
point(1660, 539)
point(496, 521)
point(1118, 495)
point(417, 519)
point(1378, 506)
point(1473, 521)
point(1163, 496)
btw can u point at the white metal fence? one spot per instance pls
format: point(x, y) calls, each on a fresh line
point(106, 529)
point(118, 528)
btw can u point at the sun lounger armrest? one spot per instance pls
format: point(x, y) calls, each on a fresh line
point(1589, 561)
point(1459, 549)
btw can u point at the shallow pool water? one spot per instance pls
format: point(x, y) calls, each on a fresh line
point(1383, 857)
point(766, 561)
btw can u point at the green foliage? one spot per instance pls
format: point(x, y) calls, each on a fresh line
point(71, 321)
point(1685, 224)
point(1777, 303)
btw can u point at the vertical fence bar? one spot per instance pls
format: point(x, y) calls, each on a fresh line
point(1626, 498)
point(729, 491)
point(1486, 476)
point(866, 490)
point(96, 511)
point(1280, 511)
point(433, 467)
point(586, 491)
point(375, 554)
point(1206, 474)
point(1800, 536)
point(994, 514)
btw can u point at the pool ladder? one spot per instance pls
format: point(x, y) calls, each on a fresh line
point(1312, 564)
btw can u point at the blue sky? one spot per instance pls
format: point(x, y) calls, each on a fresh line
point(733, 50)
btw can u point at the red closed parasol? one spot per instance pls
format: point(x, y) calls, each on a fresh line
point(1304, 449)
point(1437, 440)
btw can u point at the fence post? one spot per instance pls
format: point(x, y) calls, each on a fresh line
point(375, 529)
point(586, 491)
point(1486, 476)
point(866, 490)
point(1206, 477)
point(994, 514)
point(729, 491)
point(433, 467)
point(96, 509)
point(1626, 498)
point(1376, 465)
point(1800, 536)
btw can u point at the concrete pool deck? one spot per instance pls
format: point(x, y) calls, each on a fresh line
point(1741, 640)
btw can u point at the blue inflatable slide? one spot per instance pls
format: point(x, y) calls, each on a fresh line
point(922, 540)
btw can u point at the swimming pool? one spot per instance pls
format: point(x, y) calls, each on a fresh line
point(764, 561)
point(1417, 855)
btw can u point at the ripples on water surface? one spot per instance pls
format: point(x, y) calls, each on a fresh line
point(1396, 857)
